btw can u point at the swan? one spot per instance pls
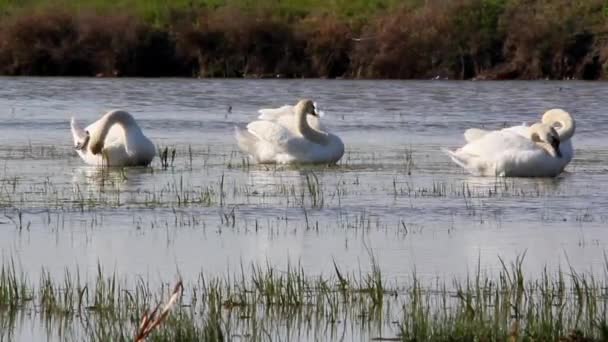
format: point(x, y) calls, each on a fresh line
point(287, 137)
point(113, 140)
point(541, 150)
point(286, 116)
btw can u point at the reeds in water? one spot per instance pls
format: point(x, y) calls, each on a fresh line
point(561, 305)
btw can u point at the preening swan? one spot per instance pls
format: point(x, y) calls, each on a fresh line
point(285, 135)
point(286, 117)
point(113, 140)
point(541, 150)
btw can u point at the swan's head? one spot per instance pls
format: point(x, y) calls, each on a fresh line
point(562, 121)
point(82, 144)
point(546, 136)
point(96, 141)
point(306, 106)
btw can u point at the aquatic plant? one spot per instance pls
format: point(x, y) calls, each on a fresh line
point(567, 305)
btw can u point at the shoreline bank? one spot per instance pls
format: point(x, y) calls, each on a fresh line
point(464, 39)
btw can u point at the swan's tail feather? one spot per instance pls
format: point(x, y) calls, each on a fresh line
point(454, 157)
point(473, 134)
point(78, 134)
point(468, 162)
point(247, 142)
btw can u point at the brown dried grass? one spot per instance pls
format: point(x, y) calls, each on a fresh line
point(153, 319)
point(457, 39)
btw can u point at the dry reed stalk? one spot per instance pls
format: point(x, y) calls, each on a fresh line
point(514, 331)
point(150, 320)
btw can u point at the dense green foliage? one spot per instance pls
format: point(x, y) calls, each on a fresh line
point(158, 11)
point(459, 39)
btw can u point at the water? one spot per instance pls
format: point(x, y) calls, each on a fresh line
point(394, 195)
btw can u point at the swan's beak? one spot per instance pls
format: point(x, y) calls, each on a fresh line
point(555, 145)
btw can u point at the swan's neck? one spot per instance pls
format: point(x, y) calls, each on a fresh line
point(566, 125)
point(547, 147)
point(310, 133)
point(117, 117)
point(566, 131)
point(535, 137)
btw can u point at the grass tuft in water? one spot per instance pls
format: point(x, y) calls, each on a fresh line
point(261, 300)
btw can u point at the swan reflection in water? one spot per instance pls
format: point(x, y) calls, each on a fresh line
point(97, 180)
point(262, 177)
point(514, 186)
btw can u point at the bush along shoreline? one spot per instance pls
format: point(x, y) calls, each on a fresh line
point(459, 39)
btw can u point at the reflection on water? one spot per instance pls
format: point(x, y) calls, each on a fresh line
point(395, 195)
point(95, 178)
point(543, 184)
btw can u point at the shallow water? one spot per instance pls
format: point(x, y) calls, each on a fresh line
point(394, 195)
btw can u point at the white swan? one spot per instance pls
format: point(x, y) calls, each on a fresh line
point(541, 150)
point(286, 117)
point(286, 136)
point(113, 140)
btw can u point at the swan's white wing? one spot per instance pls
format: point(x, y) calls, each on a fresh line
point(495, 143)
point(522, 130)
point(270, 132)
point(273, 114)
point(473, 134)
point(465, 160)
point(266, 141)
point(499, 153)
point(286, 117)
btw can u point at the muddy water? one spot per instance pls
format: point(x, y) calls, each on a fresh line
point(394, 195)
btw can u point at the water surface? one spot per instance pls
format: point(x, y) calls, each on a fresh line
point(394, 195)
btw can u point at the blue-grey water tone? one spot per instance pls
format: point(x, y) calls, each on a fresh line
point(394, 195)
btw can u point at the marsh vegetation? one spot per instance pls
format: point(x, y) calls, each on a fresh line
point(462, 39)
point(268, 302)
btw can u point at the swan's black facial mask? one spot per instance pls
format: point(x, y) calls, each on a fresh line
point(314, 110)
point(555, 145)
point(554, 137)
